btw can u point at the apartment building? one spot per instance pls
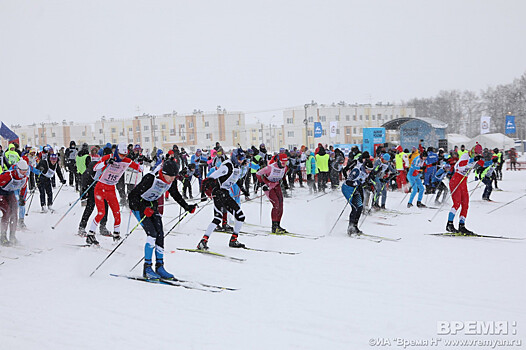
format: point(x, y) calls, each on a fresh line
point(191, 131)
point(349, 120)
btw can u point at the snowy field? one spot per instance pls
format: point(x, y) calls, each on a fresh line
point(337, 294)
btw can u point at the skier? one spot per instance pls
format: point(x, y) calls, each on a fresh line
point(10, 181)
point(438, 182)
point(352, 190)
point(70, 156)
point(48, 168)
point(186, 176)
point(111, 168)
point(322, 162)
point(217, 186)
point(488, 175)
point(415, 180)
point(143, 202)
point(383, 170)
point(459, 188)
point(270, 176)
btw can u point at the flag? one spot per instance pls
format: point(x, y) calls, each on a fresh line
point(8, 134)
point(318, 131)
point(333, 127)
point(484, 124)
point(510, 124)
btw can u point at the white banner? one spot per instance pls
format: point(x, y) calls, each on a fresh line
point(484, 124)
point(333, 127)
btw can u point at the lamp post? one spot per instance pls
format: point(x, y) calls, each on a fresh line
point(306, 122)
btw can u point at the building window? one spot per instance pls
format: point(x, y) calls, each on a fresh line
point(374, 117)
point(347, 131)
point(237, 122)
point(146, 139)
point(366, 117)
point(354, 130)
point(290, 133)
point(253, 138)
point(337, 117)
point(172, 131)
point(113, 130)
point(361, 117)
point(156, 138)
point(53, 134)
point(146, 128)
point(165, 138)
point(83, 133)
point(191, 125)
point(207, 124)
point(311, 119)
point(100, 131)
point(324, 132)
point(208, 136)
point(130, 129)
point(379, 116)
point(181, 126)
point(113, 141)
point(183, 138)
point(191, 137)
point(309, 133)
point(163, 126)
point(100, 142)
point(337, 131)
point(347, 117)
point(323, 118)
point(354, 117)
point(155, 127)
point(290, 120)
point(235, 133)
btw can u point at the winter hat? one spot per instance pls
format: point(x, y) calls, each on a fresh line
point(170, 168)
point(368, 165)
point(386, 157)
point(22, 165)
point(399, 149)
point(122, 148)
point(137, 148)
point(53, 157)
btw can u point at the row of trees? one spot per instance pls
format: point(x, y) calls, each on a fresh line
point(462, 109)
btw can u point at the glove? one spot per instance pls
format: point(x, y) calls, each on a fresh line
point(191, 208)
point(21, 202)
point(265, 188)
point(110, 161)
point(477, 158)
point(148, 212)
point(63, 182)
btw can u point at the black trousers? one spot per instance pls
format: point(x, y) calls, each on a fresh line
point(223, 201)
point(90, 205)
point(44, 187)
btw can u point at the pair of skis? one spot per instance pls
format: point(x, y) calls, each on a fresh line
point(179, 283)
point(475, 235)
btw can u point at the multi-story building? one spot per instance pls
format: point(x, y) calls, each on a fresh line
point(191, 131)
point(350, 121)
point(271, 135)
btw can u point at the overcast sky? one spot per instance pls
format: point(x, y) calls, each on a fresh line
point(80, 60)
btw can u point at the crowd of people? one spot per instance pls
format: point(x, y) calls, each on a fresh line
point(98, 173)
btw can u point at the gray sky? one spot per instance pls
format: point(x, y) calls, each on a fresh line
point(79, 60)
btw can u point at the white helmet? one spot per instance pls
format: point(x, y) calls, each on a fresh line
point(22, 165)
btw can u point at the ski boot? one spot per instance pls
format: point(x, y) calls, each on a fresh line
point(165, 275)
point(463, 230)
point(22, 224)
point(234, 243)
point(148, 273)
point(450, 227)
point(226, 228)
point(421, 205)
point(12, 240)
point(437, 202)
point(82, 232)
point(281, 229)
point(90, 238)
point(116, 236)
point(409, 205)
point(382, 206)
point(203, 244)
point(275, 227)
point(353, 230)
point(104, 231)
point(3, 240)
point(43, 210)
point(50, 208)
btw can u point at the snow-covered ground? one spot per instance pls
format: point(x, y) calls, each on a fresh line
point(337, 294)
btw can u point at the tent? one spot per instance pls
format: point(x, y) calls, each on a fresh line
point(491, 141)
point(456, 140)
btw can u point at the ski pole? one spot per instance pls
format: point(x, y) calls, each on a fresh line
point(31, 201)
point(346, 203)
point(78, 199)
point(261, 205)
point(118, 245)
point(57, 193)
point(491, 211)
point(166, 234)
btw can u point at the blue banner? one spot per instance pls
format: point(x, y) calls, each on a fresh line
point(510, 124)
point(372, 137)
point(318, 131)
point(7, 133)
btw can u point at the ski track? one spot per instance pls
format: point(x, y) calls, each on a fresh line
point(336, 294)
